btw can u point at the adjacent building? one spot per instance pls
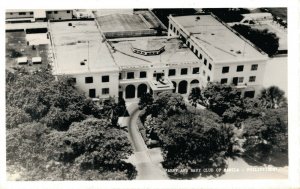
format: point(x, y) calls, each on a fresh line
point(225, 56)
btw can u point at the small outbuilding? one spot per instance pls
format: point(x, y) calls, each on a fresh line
point(36, 60)
point(22, 60)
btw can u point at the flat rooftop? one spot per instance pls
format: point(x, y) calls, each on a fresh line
point(221, 43)
point(126, 20)
point(173, 52)
point(78, 43)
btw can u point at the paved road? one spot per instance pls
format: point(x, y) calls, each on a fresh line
point(147, 161)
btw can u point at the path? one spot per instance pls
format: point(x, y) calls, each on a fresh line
point(147, 161)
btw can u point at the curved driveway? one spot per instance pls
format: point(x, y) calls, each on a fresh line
point(147, 161)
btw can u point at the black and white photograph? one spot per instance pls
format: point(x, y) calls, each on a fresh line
point(147, 94)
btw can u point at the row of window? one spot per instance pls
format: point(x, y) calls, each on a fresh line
point(92, 92)
point(239, 79)
point(105, 79)
point(56, 12)
point(239, 68)
point(23, 13)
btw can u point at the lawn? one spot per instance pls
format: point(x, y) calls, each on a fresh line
point(16, 46)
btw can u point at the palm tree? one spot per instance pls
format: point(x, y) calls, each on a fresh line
point(272, 97)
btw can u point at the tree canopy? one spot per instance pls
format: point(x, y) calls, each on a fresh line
point(55, 133)
point(263, 39)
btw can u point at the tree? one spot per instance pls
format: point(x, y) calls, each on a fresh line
point(228, 14)
point(267, 137)
point(191, 140)
point(92, 145)
point(221, 98)
point(263, 39)
point(272, 97)
point(145, 100)
point(196, 97)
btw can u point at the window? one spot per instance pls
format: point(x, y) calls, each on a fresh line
point(249, 94)
point(73, 80)
point(120, 75)
point(171, 27)
point(254, 67)
point(196, 52)
point(22, 13)
point(252, 78)
point(88, 79)
point(31, 13)
point(143, 74)
point(92, 93)
point(184, 71)
point(105, 78)
point(208, 78)
point(240, 79)
point(192, 48)
point(174, 30)
point(68, 11)
point(196, 70)
point(209, 66)
point(172, 72)
point(224, 80)
point(49, 12)
point(130, 75)
point(105, 91)
point(240, 68)
point(55, 12)
point(205, 61)
point(225, 69)
point(177, 32)
point(200, 56)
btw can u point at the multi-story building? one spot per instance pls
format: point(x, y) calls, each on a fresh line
point(226, 57)
point(198, 49)
point(17, 15)
point(59, 14)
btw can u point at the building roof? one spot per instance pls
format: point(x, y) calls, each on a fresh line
point(79, 43)
point(216, 39)
point(121, 22)
point(22, 59)
point(36, 59)
point(174, 53)
point(148, 45)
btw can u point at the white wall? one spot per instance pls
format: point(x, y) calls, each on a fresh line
point(97, 84)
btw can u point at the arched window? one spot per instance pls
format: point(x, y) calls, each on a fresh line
point(142, 89)
point(175, 85)
point(182, 87)
point(130, 91)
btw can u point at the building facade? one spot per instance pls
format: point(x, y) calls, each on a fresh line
point(197, 50)
point(226, 57)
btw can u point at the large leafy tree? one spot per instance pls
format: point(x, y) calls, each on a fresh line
point(92, 145)
point(145, 100)
point(263, 39)
point(267, 137)
point(194, 141)
point(221, 98)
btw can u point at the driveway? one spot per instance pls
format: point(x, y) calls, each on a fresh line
point(147, 161)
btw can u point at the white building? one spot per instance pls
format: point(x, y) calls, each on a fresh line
point(198, 49)
point(226, 56)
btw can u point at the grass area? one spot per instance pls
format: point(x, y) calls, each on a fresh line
point(16, 46)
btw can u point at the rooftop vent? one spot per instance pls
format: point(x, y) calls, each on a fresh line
point(197, 18)
point(212, 34)
point(238, 52)
point(70, 24)
point(82, 63)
